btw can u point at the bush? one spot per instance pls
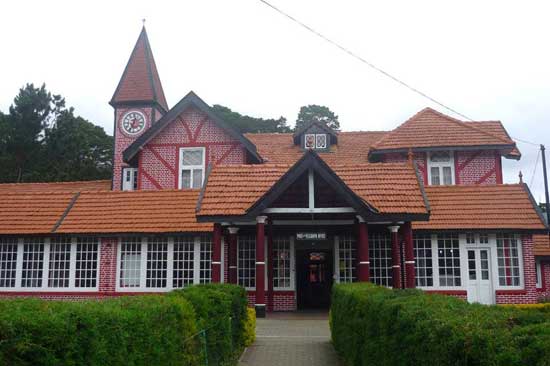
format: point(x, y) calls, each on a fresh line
point(374, 325)
point(221, 312)
point(144, 330)
point(250, 327)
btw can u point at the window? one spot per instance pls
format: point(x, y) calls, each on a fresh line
point(191, 167)
point(470, 238)
point(129, 179)
point(164, 263)
point(315, 141)
point(8, 262)
point(448, 255)
point(423, 260)
point(380, 259)
point(508, 260)
point(281, 262)
point(60, 262)
point(48, 264)
point(346, 258)
point(246, 261)
point(441, 168)
point(539, 273)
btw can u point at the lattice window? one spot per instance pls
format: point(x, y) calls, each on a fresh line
point(8, 261)
point(87, 253)
point(346, 258)
point(33, 262)
point(60, 262)
point(448, 253)
point(380, 259)
point(508, 260)
point(205, 259)
point(184, 257)
point(281, 262)
point(246, 264)
point(157, 263)
point(423, 260)
point(130, 262)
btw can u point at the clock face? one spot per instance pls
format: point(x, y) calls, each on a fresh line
point(133, 122)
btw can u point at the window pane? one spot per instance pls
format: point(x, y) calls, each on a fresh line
point(205, 274)
point(346, 252)
point(130, 262)
point(380, 259)
point(157, 262)
point(423, 259)
point(8, 261)
point(60, 262)
point(246, 261)
point(309, 141)
point(86, 262)
point(33, 263)
point(184, 256)
point(449, 260)
point(191, 157)
point(186, 178)
point(440, 156)
point(447, 175)
point(508, 260)
point(321, 141)
point(435, 176)
point(281, 262)
point(197, 178)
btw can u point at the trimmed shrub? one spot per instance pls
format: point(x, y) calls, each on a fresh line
point(374, 325)
point(144, 330)
point(250, 327)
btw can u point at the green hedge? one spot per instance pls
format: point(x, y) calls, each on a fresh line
point(144, 330)
point(221, 312)
point(372, 325)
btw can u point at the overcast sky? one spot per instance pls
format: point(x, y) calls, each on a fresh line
point(487, 59)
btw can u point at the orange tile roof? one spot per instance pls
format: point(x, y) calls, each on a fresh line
point(430, 128)
point(507, 206)
point(542, 245)
point(279, 148)
point(32, 213)
point(166, 211)
point(92, 185)
point(389, 188)
point(232, 189)
point(496, 128)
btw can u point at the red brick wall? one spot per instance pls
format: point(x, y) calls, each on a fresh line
point(529, 294)
point(544, 291)
point(159, 159)
point(282, 300)
point(107, 264)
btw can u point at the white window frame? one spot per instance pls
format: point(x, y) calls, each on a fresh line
point(46, 270)
point(440, 166)
point(170, 266)
point(291, 263)
point(351, 255)
point(463, 247)
point(538, 269)
point(133, 184)
point(191, 167)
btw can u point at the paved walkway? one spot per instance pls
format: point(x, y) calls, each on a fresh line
point(290, 339)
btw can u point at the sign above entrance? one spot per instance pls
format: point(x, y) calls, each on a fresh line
point(311, 236)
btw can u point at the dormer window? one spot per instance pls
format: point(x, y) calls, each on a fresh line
point(315, 141)
point(441, 168)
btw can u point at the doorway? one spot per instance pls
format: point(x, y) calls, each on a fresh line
point(314, 268)
point(480, 284)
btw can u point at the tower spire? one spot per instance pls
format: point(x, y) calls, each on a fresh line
point(140, 81)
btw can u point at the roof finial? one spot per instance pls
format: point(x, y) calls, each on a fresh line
point(143, 21)
point(520, 177)
point(410, 156)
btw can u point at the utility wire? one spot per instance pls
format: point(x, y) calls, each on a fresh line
point(373, 66)
point(534, 171)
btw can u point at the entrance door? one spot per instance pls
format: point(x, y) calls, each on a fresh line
point(314, 274)
point(480, 288)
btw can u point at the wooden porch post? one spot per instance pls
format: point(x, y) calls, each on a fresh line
point(216, 253)
point(409, 256)
point(260, 266)
point(396, 256)
point(363, 274)
point(233, 254)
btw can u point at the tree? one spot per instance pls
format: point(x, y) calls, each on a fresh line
point(317, 113)
point(250, 124)
point(41, 140)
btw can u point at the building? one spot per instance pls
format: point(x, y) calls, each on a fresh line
point(284, 215)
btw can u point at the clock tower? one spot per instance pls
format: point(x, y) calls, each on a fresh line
point(139, 102)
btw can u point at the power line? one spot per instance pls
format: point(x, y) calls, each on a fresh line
point(534, 171)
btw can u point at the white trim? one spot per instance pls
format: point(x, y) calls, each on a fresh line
point(393, 228)
point(538, 272)
point(366, 262)
point(261, 219)
point(233, 230)
point(440, 165)
point(191, 167)
point(310, 210)
point(311, 188)
point(312, 222)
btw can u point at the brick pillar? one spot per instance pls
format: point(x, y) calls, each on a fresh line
point(217, 253)
point(107, 265)
point(260, 266)
point(409, 256)
point(233, 254)
point(363, 274)
point(395, 256)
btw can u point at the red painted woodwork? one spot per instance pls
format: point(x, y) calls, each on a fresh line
point(217, 253)
point(233, 254)
point(396, 257)
point(260, 266)
point(363, 274)
point(409, 256)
